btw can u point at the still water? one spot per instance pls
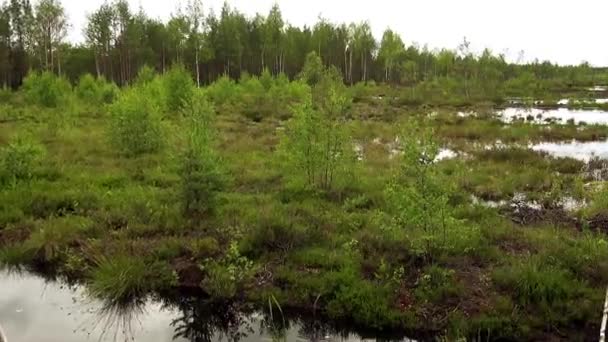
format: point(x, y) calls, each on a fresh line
point(559, 115)
point(574, 149)
point(35, 310)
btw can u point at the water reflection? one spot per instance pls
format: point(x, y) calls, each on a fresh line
point(560, 115)
point(32, 309)
point(584, 151)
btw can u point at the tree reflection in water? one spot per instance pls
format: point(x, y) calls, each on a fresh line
point(201, 320)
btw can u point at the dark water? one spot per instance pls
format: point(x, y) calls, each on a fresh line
point(34, 310)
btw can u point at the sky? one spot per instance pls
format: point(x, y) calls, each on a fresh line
point(562, 31)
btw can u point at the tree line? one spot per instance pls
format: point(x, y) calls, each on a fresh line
point(119, 41)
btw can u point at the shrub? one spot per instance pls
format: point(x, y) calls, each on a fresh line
point(312, 72)
point(178, 86)
point(223, 91)
point(228, 275)
point(19, 159)
point(5, 94)
point(144, 76)
point(419, 197)
point(95, 90)
point(136, 126)
point(46, 89)
point(317, 145)
point(437, 285)
point(363, 301)
point(200, 166)
point(254, 99)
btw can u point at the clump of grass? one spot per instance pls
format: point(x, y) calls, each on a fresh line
point(120, 278)
point(14, 256)
point(54, 236)
point(437, 284)
point(534, 283)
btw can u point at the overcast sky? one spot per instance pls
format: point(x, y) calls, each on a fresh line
point(563, 31)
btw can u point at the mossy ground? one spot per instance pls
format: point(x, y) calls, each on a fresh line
point(116, 224)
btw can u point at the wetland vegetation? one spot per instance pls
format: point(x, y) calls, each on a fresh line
point(326, 175)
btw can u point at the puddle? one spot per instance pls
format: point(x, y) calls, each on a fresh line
point(519, 200)
point(598, 88)
point(33, 310)
point(565, 102)
point(584, 151)
point(560, 115)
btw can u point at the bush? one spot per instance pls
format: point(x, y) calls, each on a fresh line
point(437, 285)
point(136, 126)
point(223, 91)
point(5, 94)
point(144, 76)
point(254, 99)
point(419, 198)
point(95, 91)
point(19, 159)
point(46, 89)
point(317, 146)
point(178, 86)
point(200, 166)
point(227, 276)
point(363, 301)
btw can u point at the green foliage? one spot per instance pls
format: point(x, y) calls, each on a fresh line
point(178, 87)
point(363, 301)
point(223, 92)
point(437, 285)
point(46, 89)
point(599, 202)
point(6, 94)
point(53, 237)
point(535, 283)
point(200, 165)
point(95, 91)
point(317, 142)
point(419, 198)
point(121, 278)
point(19, 159)
point(313, 69)
point(136, 126)
point(145, 75)
point(226, 277)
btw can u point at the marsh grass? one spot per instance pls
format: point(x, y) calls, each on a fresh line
point(115, 219)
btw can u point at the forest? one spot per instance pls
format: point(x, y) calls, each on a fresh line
point(230, 165)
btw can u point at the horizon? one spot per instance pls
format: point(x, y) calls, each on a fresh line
point(475, 21)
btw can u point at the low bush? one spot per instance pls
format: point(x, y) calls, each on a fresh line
point(95, 91)
point(46, 89)
point(200, 171)
point(136, 126)
point(178, 87)
point(226, 277)
point(20, 159)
